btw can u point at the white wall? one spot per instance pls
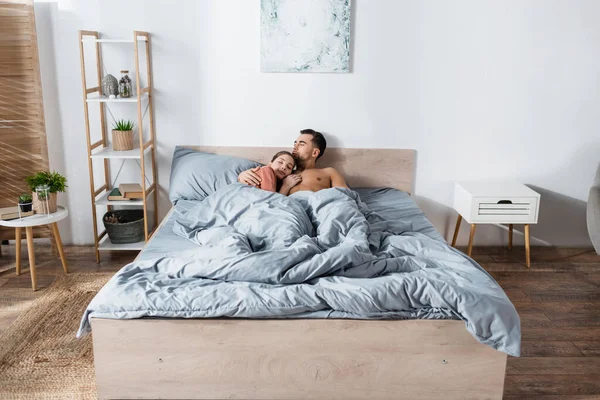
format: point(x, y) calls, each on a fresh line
point(481, 89)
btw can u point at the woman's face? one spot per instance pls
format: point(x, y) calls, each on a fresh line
point(283, 166)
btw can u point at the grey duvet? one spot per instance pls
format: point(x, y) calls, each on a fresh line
point(311, 255)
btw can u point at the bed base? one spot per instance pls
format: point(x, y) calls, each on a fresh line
point(293, 359)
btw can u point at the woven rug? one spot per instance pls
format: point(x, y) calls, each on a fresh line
point(13, 302)
point(40, 358)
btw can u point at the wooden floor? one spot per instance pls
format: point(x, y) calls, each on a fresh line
point(558, 300)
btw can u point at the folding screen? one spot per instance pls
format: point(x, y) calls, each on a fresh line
point(22, 128)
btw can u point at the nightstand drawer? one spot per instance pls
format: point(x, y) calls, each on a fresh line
point(504, 210)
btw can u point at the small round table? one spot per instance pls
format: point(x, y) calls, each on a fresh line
point(28, 223)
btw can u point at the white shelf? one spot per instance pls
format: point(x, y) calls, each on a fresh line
point(140, 39)
point(105, 245)
point(108, 152)
point(106, 99)
point(103, 201)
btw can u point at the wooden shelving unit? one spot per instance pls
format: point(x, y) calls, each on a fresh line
point(101, 149)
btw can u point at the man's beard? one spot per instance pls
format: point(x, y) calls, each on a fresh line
point(300, 163)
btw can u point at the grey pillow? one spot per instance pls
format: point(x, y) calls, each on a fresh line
point(195, 174)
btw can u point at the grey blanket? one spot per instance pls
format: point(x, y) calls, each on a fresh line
point(310, 255)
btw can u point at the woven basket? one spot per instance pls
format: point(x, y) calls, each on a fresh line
point(39, 207)
point(122, 140)
point(129, 231)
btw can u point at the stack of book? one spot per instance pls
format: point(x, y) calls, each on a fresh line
point(8, 213)
point(126, 191)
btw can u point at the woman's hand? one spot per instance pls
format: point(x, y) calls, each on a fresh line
point(289, 182)
point(249, 177)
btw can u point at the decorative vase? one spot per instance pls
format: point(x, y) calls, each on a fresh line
point(122, 140)
point(125, 89)
point(43, 206)
point(110, 85)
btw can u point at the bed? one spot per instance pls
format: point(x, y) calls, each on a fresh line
point(299, 358)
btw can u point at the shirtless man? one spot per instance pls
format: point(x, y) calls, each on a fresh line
point(308, 148)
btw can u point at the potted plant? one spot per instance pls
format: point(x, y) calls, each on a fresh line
point(25, 202)
point(44, 185)
point(122, 135)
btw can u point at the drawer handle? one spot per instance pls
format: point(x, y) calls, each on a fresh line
point(504, 202)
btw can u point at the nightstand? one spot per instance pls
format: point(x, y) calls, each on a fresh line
point(28, 223)
point(496, 203)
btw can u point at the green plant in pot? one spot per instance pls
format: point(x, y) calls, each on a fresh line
point(122, 135)
point(25, 201)
point(44, 186)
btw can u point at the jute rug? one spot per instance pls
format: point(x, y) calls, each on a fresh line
point(40, 358)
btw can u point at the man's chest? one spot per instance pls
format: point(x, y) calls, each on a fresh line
point(315, 176)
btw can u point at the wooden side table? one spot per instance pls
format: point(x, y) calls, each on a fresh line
point(496, 203)
point(28, 223)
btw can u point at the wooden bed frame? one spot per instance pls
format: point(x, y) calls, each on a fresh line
point(299, 359)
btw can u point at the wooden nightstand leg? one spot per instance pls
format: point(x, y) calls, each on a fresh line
point(29, 233)
point(60, 247)
point(456, 229)
point(471, 237)
point(18, 249)
point(510, 234)
point(527, 250)
point(53, 245)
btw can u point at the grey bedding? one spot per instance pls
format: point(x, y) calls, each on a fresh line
point(391, 204)
point(330, 254)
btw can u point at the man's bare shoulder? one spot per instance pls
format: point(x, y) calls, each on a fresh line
point(337, 179)
point(332, 172)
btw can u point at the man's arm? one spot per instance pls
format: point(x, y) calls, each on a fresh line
point(337, 180)
point(250, 177)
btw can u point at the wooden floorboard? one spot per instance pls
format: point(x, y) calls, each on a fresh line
point(550, 348)
point(553, 366)
point(581, 334)
point(558, 300)
point(589, 348)
point(557, 306)
point(534, 319)
point(552, 384)
point(576, 318)
point(522, 396)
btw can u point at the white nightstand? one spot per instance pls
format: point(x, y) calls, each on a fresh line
point(496, 203)
point(37, 220)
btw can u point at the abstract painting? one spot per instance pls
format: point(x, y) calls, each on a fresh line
point(305, 35)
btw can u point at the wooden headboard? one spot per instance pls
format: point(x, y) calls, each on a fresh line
point(361, 167)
